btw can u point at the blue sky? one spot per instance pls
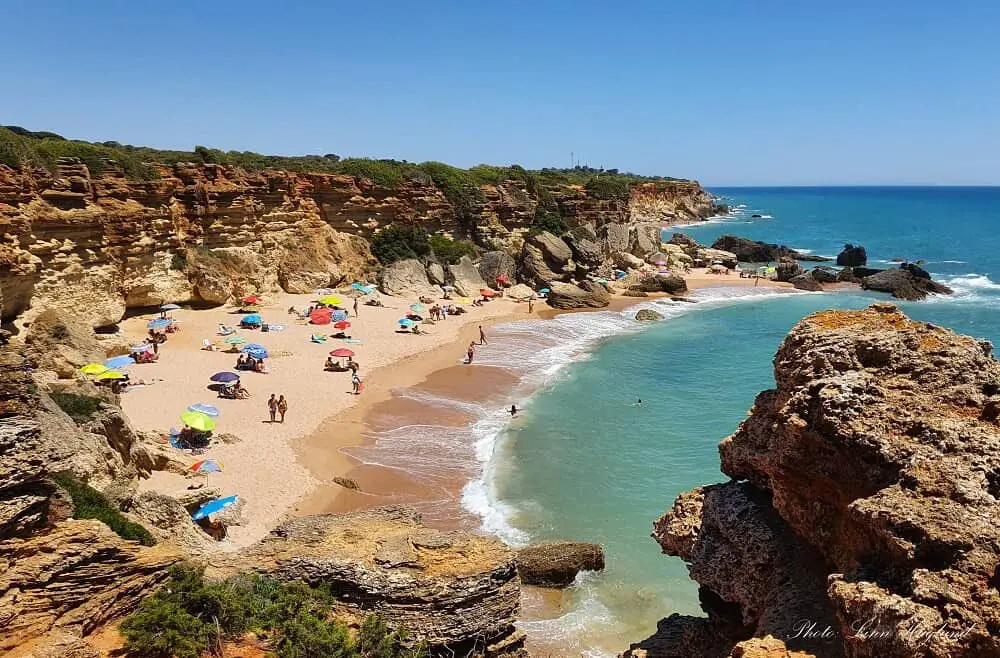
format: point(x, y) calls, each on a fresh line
point(763, 92)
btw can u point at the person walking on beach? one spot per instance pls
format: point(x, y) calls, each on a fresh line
point(282, 407)
point(531, 305)
point(272, 406)
point(356, 383)
point(355, 307)
point(482, 336)
point(472, 352)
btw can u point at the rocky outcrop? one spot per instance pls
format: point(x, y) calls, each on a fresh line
point(496, 264)
point(904, 284)
point(457, 592)
point(406, 278)
point(806, 281)
point(556, 564)
point(670, 202)
point(825, 274)
point(436, 274)
point(648, 315)
point(852, 256)
point(752, 251)
point(465, 277)
point(567, 296)
point(787, 269)
point(863, 499)
point(557, 254)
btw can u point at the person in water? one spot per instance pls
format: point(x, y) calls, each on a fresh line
point(513, 410)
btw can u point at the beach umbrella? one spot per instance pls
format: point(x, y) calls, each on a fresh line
point(169, 307)
point(320, 316)
point(331, 301)
point(235, 340)
point(406, 322)
point(198, 421)
point(119, 361)
point(158, 323)
point(94, 369)
point(225, 377)
point(251, 299)
point(339, 316)
point(343, 324)
point(253, 318)
point(357, 285)
point(206, 409)
point(206, 466)
point(418, 308)
point(110, 374)
point(342, 352)
point(486, 292)
point(254, 347)
point(544, 291)
point(214, 507)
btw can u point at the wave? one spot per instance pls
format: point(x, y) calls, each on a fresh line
point(588, 618)
point(965, 284)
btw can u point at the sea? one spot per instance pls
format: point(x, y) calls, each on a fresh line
point(584, 460)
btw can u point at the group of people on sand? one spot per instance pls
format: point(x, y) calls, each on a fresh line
point(470, 354)
point(277, 406)
point(247, 362)
point(234, 391)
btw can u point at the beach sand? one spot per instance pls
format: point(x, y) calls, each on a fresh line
point(263, 466)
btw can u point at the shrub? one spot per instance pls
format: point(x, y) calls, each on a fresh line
point(547, 221)
point(387, 173)
point(89, 503)
point(395, 243)
point(608, 187)
point(80, 408)
point(190, 615)
point(448, 251)
point(59, 332)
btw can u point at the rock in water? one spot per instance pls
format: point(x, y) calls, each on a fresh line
point(903, 284)
point(587, 295)
point(852, 256)
point(556, 564)
point(806, 281)
point(453, 590)
point(824, 274)
point(648, 315)
point(864, 486)
point(407, 278)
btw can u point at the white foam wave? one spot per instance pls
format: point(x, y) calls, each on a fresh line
point(588, 618)
point(967, 283)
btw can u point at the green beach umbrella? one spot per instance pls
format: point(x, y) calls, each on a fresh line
point(198, 421)
point(236, 340)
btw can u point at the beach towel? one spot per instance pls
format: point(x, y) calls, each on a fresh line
point(276, 327)
point(353, 340)
point(317, 338)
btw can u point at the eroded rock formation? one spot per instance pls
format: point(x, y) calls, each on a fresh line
point(862, 515)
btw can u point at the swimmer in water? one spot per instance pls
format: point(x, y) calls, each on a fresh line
point(638, 403)
point(513, 410)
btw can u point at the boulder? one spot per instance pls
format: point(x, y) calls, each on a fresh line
point(407, 278)
point(305, 281)
point(626, 261)
point(585, 251)
point(915, 270)
point(903, 284)
point(677, 258)
point(671, 283)
point(587, 295)
point(520, 292)
point(749, 251)
point(615, 238)
point(657, 257)
point(436, 275)
point(806, 281)
point(533, 269)
point(465, 277)
point(648, 315)
point(685, 242)
point(852, 256)
point(556, 252)
point(556, 564)
point(846, 275)
point(708, 256)
point(644, 238)
point(824, 274)
point(788, 269)
point(497, 263)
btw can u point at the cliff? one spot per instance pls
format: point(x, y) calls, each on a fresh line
point(204, 233)
point(861, 519)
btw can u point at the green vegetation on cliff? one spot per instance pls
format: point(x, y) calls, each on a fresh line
point(89, 503)
point(190, 615)
point(396, 242)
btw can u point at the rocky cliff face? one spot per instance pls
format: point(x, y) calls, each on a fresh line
point(862, 515)
point(206, 233)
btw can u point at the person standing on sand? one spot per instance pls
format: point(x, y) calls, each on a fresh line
point(482, 336)
point(472, 352)
point(272, 406)
point(531, 305)
point(356, 383)
point(355, 307)
point(282, 407)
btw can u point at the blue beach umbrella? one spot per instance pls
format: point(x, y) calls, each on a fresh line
point(214, 507)
point(207, 409)
point(253, 318)
point(225, 377)
point(158, 323)
point(169, 307)
point(357, 285)
point(255, 350)
point(338, 316)
point(406, 322)
point(119, 361)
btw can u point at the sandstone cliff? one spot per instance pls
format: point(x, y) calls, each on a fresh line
point(862, 515)
point(206, 233)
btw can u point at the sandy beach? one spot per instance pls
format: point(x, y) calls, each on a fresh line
point(284, 469)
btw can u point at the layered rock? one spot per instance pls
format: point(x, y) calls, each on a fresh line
point(464, 276)
point(753, 251)
point(566, 296)
point(864, 486)
point(456, 591)
point(556, 564)
point(406, 278)
point(904, 283)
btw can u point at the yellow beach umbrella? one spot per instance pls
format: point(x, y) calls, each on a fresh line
point(198, 421)
point(94, 369)
point(110, 374)
point(331, 301)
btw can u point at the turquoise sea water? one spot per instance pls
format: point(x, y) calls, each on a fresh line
point(584, 462)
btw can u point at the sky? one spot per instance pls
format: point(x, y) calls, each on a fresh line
point(760, 92)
